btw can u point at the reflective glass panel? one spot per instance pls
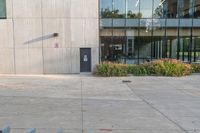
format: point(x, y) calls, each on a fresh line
point(2, 8)
point(185, 40)
point(138, 31)
point(119, 9)
point(159, 9)
point(159, 49)
point(146, 7)
point(172, 8)
point(172, 40)
point(133, 9)
point(197, 8)
point(106, 8)
point(185, 8)
point(196, 49)
point(145, 39)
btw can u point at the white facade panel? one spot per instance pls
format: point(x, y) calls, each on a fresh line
point(45, 36)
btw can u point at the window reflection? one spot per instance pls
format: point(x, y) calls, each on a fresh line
point(172, 40)
point(158, 40)
point(172, 9)
point(133, 9)
point(2, 9)
point(184, 44)
point(159, 9)
point(144, 30)
point(196, 49)
point(185, 8)
point(106, 8)
point(197, 8)
point(146, 8)
point(119, 9)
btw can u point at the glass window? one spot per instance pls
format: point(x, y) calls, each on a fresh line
point(146, 8)
point(172, 9)
point(132, 46)
point(106, 8)
point(2, 9)
point(185, 8)
point(197, 8)
point(196, 22)
point(172, 41)
point(196, 48)
point(158, 40)
point(196, 44)
point(151, 30)
point(119, 9)
point(184, 40)
point(113, 47)
point(133, 9)
point(145, 40)
point(159, 9)
point(130, 23)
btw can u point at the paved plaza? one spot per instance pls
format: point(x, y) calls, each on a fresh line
point(88, 104)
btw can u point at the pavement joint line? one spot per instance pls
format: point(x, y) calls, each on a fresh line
point(34, 97)
point(154, 108)
point(115, 129)
point(81, 105)
point(98, 99)
point(50, 128)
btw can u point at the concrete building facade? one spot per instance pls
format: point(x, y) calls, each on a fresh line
point(72, 36)
point(46, 36)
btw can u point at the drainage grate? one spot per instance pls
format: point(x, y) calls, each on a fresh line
point(126, 81)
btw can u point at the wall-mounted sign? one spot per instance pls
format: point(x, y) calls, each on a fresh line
point(56, 45)
point(85, 58)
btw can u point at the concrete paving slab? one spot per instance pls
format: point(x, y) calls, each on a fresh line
point(177, 99)
point(55, 87)
point(104, 114)
point(87, 104)
point(131, 131)
point(22, 112)
point(44, 130)
point(106, 88)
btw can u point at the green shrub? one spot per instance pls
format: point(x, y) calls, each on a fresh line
point(196, 68)
point(140, 70)
point(112, 69)
point(171, 67)
point(164, 67)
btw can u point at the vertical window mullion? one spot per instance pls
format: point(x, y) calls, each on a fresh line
point(139, 34)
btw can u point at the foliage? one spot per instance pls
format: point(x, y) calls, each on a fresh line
point(196, 68)
point(164, 67)
point(107, 13)
point(130, 14)
point(112, 69)
point(171, 67)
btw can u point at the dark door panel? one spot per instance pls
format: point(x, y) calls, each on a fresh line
point(85, 60)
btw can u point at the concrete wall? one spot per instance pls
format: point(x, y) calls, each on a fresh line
point(27, 45)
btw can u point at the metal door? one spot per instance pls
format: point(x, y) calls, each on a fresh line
point(85, 60)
